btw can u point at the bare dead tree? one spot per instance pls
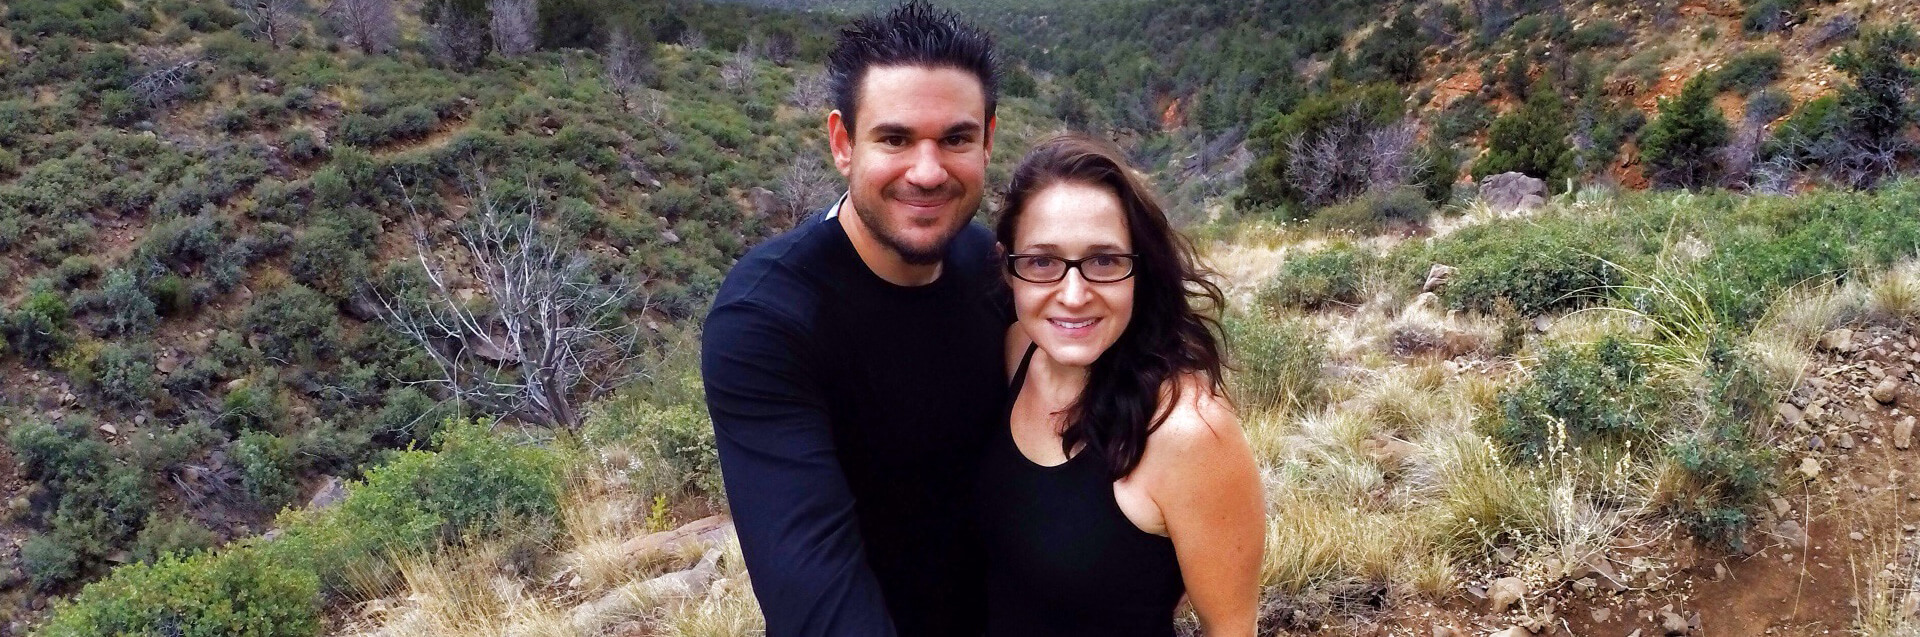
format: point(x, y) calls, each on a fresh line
point(737, 71)
point(166, 81)
point(1390, 158)
point(536, 335)
point(457, 39)
point(804, 187)
point(515, 25)
point(810, 90)
point(273, 21)
point(693, 39)
point(371, 25)
point(627, 65)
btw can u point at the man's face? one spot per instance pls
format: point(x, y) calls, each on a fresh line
point(917, 160)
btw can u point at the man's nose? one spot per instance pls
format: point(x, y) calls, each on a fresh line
point(926, 172)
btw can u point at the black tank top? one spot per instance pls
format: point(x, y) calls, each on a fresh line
point(1062, 559)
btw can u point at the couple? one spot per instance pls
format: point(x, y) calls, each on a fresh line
point(907, 453)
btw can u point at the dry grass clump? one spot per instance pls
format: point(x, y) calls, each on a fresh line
point(1894, 295)
point(728, 608)
point(473, 591)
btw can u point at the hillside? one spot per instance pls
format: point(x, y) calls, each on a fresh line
point(260, 369)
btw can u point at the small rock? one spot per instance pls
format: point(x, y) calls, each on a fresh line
point(1792, 534)
point(110, 430)
point(1789, 414)
point(1504, 592)
point(1780, 506)
point(1513, 631)
point(1886, 391)
point(1856, 536)
point(1720, 573)
point(1443, 630)
point(236, 384)
point(1845, 441)
point(1601, 614)
point(1840, 340)
point(1816, 443)
point(1505, 554)
point(1903, 433)
point(1810, 467)
point(1673, 624)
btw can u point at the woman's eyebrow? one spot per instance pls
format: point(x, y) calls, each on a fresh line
point(1102, 248)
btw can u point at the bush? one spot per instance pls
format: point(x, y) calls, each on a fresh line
point(39, 329)
point(48, 562)
point(1536, 268)
point(250, 408)
point(1376, 211)
point(1727, 461)
point(243, 592)
point(1767, 16)
point(477, 484)
point(128, 309)
point(1313, 280)
point(266, 469)
point(123, 375)
point(1749, 72)
point(171, 295)
point(96, 20)
point(175, 535)
point(293, 322)
point(1682, 146)
point(1531, 140)
point(1594, 396)
point(1277, 364)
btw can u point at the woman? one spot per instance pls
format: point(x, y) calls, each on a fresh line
point(1123, 479)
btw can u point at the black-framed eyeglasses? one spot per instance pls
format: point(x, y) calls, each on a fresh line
point(1046, 268)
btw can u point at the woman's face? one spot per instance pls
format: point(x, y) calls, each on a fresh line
point(1073, 319)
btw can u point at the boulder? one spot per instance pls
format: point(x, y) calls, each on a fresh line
point(1903, 433)
point(331, 492)
point(1437, 277)
point(1840, 340)
point(1886, 391)
point(1513, 192)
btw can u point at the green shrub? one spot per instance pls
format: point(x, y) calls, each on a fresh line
point(127, 307)
point(241, 592)
point(251, 407)
point(302, 146)
point(1682, 146)
point(48, 562)
point(266, 469)
point(293, 322)
point(1767, 16)
point(1277, 364)
point(1749, 72)
point(1531, 140)
point(1536, 268)
point(175, 535)
point(123, 375)
point(97, 20)
point(1579, 397)
point(1335, 274)
point(1598, 33)
point(171, 295)
point(477, 484)
point(1728, 462)
point(1376, 211)
point(39, 328)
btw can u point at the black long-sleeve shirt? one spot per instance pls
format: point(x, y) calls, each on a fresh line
point(850, 415)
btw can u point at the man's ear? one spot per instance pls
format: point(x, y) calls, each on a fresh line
point(840, 141)
point(986, 143)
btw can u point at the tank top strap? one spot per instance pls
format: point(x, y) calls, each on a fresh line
point(1020, 373)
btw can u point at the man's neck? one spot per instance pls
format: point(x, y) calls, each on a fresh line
point(882, 260)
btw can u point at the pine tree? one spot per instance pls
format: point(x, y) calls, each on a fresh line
point(1531, 140)
point(1682, 147)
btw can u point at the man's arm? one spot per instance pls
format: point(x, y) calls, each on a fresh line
point(791, 505)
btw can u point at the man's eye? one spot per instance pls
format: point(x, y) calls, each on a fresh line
point(959, 140)
point(894, 140)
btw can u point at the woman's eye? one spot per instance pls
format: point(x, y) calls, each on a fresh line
point(1103, 261)
point(1043, 262)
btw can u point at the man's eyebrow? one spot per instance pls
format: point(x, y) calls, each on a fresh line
point(963, 128)
point(890, 129)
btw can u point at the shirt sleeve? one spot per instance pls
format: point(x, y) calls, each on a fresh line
point(792, 508)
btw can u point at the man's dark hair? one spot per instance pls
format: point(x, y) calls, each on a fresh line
point(912, 34)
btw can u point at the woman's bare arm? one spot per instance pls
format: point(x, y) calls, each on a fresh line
point(1205, 482)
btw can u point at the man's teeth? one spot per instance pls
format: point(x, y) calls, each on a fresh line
point(1073, 325)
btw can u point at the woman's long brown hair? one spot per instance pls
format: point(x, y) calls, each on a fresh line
point(1173, 329)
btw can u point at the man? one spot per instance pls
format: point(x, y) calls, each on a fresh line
point(852, 365)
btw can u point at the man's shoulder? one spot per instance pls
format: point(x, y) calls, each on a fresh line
point(780, 271)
